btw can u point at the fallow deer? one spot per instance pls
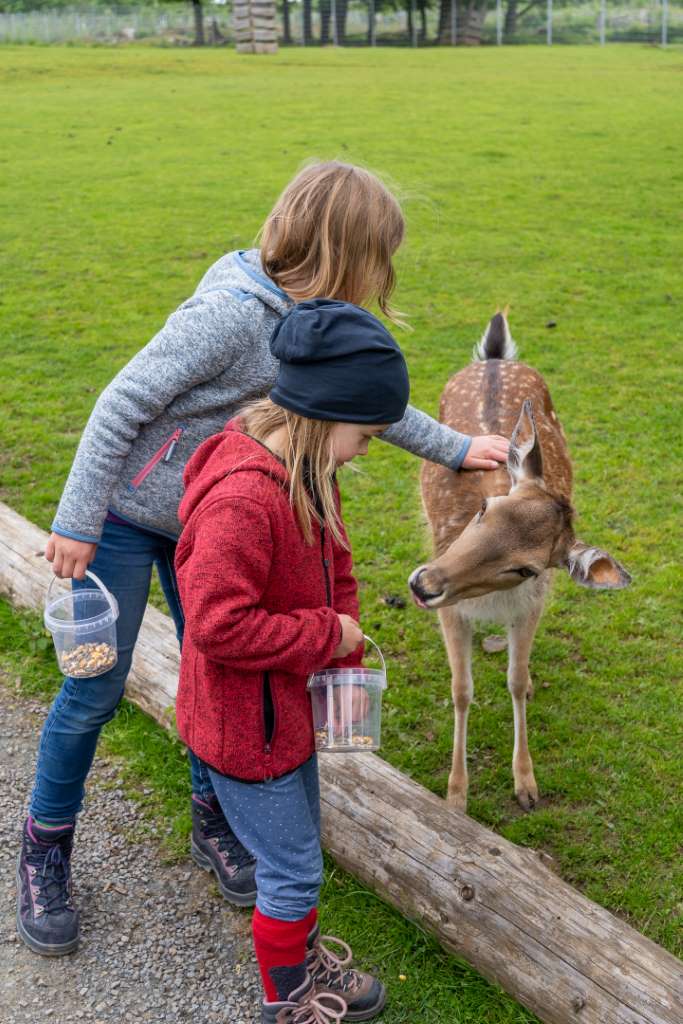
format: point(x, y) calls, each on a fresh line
point(499, 534)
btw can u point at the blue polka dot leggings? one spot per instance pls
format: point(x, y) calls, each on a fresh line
point(279, 823)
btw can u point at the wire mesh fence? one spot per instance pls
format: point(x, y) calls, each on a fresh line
point(362, 23)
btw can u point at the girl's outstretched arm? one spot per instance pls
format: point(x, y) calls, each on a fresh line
point(420, 434)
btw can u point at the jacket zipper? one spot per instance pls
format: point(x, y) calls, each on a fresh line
point(165, 453)
point(326, 564)
point(268, 741)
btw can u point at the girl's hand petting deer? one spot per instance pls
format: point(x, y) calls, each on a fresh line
point(486, 452)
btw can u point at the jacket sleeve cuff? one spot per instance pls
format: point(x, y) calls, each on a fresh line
point(460, 458)
point(86, 538)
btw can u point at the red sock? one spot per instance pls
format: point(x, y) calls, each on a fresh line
point(281, 952)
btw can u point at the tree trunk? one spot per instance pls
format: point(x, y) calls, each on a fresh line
point(198, 11)
point(498, 905)
point(325, 12)
point(510, 25)
point(308, 23)
point(286, 27)
point(443, 37)
point(341, 22)
point(372, 26)
point(423, 22)
point(409, 19)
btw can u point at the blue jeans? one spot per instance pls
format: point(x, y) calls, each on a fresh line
point(279, 824)
point(124, 561)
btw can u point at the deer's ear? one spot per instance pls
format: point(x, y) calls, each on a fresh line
point(525, 460)
point(595, 568)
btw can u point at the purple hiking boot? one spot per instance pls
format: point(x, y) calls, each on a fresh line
point(47, 920)
point(215, 847)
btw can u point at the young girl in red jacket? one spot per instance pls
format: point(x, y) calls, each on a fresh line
point(265, 577)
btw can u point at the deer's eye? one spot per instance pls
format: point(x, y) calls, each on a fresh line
point(525, 572)
point(481, 511)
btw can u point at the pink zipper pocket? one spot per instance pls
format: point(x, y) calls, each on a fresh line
point(165, 453)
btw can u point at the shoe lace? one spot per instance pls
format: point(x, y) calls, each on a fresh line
point(215, 826)
point(314, 1010)
point(327, 967)
point(52, 876)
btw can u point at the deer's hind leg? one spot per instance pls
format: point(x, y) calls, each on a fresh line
point(457, 634)
point(520, 641)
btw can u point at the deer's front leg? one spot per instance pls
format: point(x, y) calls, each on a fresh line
point(520, 640)
point(458, 638)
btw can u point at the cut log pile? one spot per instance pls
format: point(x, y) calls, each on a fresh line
point(497, 905)
point(255, 26)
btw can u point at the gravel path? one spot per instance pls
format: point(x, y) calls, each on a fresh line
point(158, 944)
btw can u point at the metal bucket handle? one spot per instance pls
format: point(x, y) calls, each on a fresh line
point(101, 586)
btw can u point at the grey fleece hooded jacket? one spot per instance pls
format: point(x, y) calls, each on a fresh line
point(211, 357)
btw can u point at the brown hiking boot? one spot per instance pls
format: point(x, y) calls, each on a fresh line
point(364, 995)
point(305, 1006)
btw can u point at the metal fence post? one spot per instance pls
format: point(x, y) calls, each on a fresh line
point(413, 23)
point(333, 15)
point(549, 27)
point(499, 22)
point(454, 22)
point(665, 22)
point(603, 19)
point(373, 25)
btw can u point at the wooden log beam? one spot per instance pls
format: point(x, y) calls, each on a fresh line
point(495, 904)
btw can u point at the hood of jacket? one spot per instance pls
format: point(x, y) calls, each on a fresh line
point(223, 455)
point(240, 273)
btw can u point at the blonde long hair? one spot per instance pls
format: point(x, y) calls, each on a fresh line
point(309, 461)
point(332, 234)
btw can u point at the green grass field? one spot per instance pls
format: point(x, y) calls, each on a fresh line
point(549, 179)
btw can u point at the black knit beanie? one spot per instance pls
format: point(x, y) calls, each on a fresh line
point(338, 362)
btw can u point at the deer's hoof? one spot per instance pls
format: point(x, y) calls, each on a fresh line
point(527, 797)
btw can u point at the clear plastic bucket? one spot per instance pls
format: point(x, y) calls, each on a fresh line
point(347, 707)
point(83, 626)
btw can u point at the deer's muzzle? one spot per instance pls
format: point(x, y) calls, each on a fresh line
point(427, 586)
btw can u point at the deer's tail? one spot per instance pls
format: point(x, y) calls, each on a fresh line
point(496, 342)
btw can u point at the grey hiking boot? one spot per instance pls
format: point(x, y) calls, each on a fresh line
point(363, 994)
point(215, 847)
point(305, 1006)
point(47, 920)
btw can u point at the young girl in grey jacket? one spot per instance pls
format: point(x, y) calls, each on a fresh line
point(332, 233)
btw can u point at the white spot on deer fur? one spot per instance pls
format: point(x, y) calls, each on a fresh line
point(553, 415)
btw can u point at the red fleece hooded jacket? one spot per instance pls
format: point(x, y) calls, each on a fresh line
point(260, 609)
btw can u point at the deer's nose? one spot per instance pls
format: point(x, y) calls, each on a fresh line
point(426, 584)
